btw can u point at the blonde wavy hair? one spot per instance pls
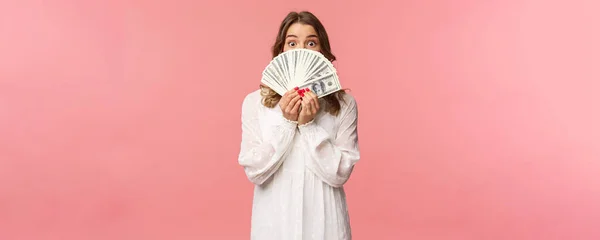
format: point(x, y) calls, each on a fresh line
point(270, 97)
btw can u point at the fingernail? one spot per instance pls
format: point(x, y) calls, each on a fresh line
point(296, 88)
point(308, 90)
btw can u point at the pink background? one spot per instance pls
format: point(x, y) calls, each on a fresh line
point(121, 119)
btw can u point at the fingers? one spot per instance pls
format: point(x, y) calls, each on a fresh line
point(287, 97)
point(292, 103)
point(283, 102)
point(296, 107)
point(311, 102)
point(305, 106)
point(305, 111)
point(305, 101)
point(313, 107)
point(314, 102)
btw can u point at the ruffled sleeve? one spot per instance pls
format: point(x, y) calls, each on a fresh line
point(332, 158)
point(262, 157)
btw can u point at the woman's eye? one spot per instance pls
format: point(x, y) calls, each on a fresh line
point(312, 44)
point(292, 44)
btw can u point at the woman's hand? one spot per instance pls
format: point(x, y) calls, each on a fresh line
point(290, 103)
point(310, 107)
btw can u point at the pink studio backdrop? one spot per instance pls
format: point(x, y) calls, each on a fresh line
point(478, 119)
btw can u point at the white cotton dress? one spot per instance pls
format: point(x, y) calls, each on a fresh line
point(298, 171)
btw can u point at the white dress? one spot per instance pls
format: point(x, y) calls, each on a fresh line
point(298, 171)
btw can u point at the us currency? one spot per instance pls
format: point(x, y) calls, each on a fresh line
point(323, 85)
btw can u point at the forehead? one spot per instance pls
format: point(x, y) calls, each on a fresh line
point(301, 30)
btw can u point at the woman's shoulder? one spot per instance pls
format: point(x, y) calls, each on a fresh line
point(253, 96)
point(252, 100)
point(347, 101)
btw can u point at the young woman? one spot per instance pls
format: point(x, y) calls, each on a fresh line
point(299, 150)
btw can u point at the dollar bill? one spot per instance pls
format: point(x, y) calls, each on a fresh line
point(323, 85)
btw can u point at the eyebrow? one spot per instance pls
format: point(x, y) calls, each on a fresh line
point(309, 36)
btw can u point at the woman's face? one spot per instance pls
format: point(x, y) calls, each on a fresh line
point(301, 36)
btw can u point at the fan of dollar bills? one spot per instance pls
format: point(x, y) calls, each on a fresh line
point(301, 68)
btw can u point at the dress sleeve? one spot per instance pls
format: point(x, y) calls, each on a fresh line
point(332, 158)
point(262, 157)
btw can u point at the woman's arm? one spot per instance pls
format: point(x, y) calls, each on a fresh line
point(332, 158)
point(262, 157)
